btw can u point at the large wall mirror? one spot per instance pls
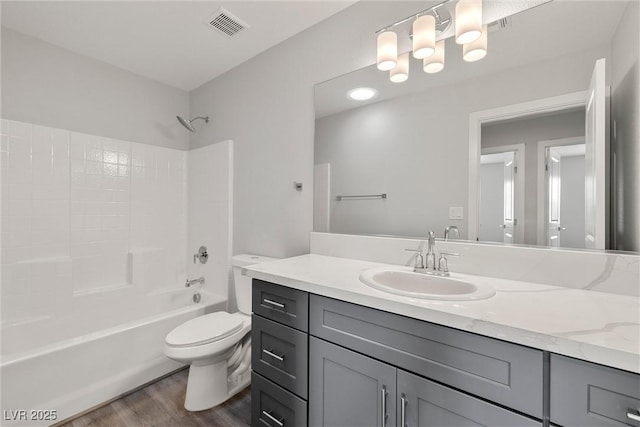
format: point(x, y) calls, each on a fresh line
point(499, 148)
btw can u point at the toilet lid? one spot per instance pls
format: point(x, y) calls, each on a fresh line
point(204, 329)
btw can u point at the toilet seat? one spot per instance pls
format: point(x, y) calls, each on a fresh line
point(204, 330)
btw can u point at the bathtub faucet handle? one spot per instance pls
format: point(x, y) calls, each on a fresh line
point(202, 255)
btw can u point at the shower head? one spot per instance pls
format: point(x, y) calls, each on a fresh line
point(187, 123)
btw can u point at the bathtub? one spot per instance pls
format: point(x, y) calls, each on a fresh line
point(42, 385)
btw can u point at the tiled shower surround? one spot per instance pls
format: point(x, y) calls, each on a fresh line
point(88, 224)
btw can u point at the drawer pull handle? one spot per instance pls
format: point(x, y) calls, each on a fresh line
point(403, 411)
point(273, 303)
point(272, 354)
point(383, 404)
point(280, 421)
point(633, 415)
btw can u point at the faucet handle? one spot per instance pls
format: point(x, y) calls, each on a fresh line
point(419, 261)
point(443, 268)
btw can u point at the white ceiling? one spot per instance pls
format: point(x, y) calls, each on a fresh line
point(166, 41)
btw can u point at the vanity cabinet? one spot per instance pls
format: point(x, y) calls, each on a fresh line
point(279, 355)
point(328, 362)
point(585, 394)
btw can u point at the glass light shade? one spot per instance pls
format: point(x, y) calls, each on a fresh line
point(477, 49)
point(400, 72)
point(468, 20)
point(435, 62)
point(387, 50)
point(424, 36)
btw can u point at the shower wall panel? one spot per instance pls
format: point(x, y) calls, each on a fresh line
point(86, 219)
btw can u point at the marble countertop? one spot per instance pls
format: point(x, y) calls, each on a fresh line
point(593, 326)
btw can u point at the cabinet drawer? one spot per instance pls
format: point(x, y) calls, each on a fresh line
point(284, 305)
point(505, 373)
point(585, 394)
point(273, 406)
point(279, 353)
point(425, 403)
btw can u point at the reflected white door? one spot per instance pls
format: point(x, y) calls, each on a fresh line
point(596, 158)
point(498, 197)
point(554, 193)
point(508, 220)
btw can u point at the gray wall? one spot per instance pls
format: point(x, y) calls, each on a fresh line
point(266, 106)
point(50, 86)
point(529, 132)
point(625, 143)
point(416, 148)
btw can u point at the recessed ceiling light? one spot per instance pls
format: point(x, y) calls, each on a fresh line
point(362, 93)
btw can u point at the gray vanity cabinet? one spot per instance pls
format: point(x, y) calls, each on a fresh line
point(349, 389)
point(588, 395)
point(359, 366)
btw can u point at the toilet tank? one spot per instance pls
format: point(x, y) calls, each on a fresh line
point(242, 283)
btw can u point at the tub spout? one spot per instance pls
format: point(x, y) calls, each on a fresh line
point(199, 280)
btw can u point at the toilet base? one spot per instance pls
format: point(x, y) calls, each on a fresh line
point(208, 386)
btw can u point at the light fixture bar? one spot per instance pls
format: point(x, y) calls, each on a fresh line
point(410, 17)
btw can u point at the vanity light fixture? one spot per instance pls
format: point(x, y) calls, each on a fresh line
point(468, 21)
point(425, 28)
point(435, 62)
point(387, 50)
point(477, 49)
point(362, 93)
point(400, 73)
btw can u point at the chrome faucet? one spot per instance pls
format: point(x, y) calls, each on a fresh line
point(430, 256)
point(427, 264)
point(199, 280)
point(448, 230)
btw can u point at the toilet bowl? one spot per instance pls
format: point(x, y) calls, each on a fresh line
point(217, 346)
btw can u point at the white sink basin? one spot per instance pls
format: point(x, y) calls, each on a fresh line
point(403, 281)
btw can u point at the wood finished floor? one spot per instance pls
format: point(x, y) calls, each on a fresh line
point(161, 404)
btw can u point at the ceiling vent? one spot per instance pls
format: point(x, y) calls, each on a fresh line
point(224, 21)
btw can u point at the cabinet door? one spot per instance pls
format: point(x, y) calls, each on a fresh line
point(424, 403)
point(349, 389)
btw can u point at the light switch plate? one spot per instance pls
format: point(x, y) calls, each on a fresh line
point(456, 212)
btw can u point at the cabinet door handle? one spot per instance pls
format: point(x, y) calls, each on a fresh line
point(273, 303)
point(383, 404)
point(280, 421)
point(633, 415)
point(403, 411)
point(272, 354)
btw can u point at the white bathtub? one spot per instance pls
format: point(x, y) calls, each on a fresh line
point(71, 375)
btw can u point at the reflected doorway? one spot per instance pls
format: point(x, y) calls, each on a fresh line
point(501, 194)
point(562, 196)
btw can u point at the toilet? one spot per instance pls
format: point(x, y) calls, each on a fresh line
point(217, 346)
